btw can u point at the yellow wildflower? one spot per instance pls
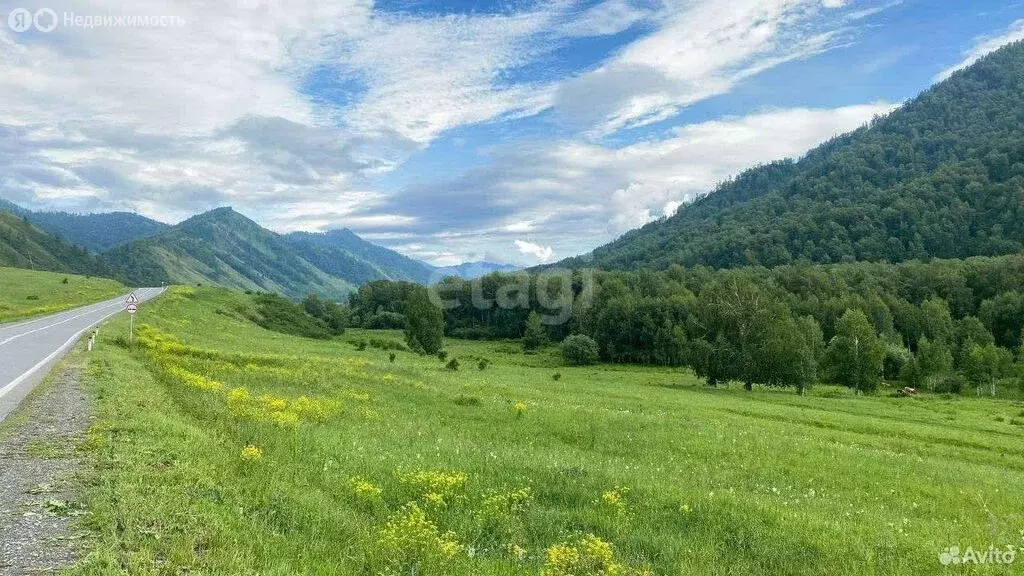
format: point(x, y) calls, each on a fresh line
point(586, 555)
point(251, 453)
point(516, 551)
point(519, 408)
point(615, 499)
point(501, 504)
point(434, 481)
point(364, 488)
point(410, 542)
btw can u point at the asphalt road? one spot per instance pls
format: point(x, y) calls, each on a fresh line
point(29, 349)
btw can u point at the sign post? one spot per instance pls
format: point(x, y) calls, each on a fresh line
point(131, 306)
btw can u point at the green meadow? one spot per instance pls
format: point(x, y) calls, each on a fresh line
point(25, 293)
point(223, 448)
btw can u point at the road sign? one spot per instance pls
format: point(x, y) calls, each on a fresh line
point(132, 299)
point(131, 308)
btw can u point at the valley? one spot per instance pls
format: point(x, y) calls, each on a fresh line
point(239, 449)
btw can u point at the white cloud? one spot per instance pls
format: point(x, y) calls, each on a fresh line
point(703, 49)
point(982, 47)
point(542, 253)
point(609, 17)
point(425, 76)
point(291, 111)
point(577, 194)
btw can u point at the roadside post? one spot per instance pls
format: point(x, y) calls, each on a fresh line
point(131, 307)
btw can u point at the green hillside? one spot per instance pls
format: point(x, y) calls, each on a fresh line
point(25, 293)
point(225, 248)
point(22, 245)
point(941, 177)
point(342, 253)
point(97, 232)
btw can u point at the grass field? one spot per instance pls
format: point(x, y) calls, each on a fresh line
point(221, 448)
point(25, 293)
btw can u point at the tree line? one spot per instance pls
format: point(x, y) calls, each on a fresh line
point(943, 325)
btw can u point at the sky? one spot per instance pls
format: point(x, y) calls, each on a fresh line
point(501, 130)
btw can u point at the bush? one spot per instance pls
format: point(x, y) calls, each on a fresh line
point(464, 400)
point(333, 315)
point(579, 350)
point(950, 384)
point(453, 365)
point(482, 365)
point(385, 321)
point(279, 314)
point(442, 355)
point(391, 357)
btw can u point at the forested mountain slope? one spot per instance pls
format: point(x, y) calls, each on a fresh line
point(941, 177)
point(22, 245)
point(342, 253)
point(97, 232)
point(225, 248)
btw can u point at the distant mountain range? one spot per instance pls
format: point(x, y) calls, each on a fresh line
point(97, 232)
point(941, 177)
point(219, 247)
point(471, 270)
point(23, 245)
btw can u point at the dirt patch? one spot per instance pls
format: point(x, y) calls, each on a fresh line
point(38, 467)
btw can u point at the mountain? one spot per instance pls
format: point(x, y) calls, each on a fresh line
point(225, 248)
point(941, 177)
point(97, 232)
point(341, 253)
point(471, 270)
point(22, 245)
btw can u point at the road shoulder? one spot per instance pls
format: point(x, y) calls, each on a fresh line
point(40, 472)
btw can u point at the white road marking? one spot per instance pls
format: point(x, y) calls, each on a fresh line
point(65, 321)
point(14, 383)
point(44, 318)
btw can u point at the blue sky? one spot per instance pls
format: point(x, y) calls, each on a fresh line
point(452, 131)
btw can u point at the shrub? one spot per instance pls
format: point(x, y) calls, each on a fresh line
point(950, 384)
point(64, 281)
point(579, 350)
point(385, 321)
point(31, 297)
point(279, 314)
point(464, 400)
point(534, 335)
point(453, 365)
point(442, 355)
point(556, 376)
point(333, 315)
point(483, 364)
point(391, 357)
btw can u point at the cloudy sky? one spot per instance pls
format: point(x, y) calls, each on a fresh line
point(450, 130)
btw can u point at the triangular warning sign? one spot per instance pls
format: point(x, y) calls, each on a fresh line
point(132, 299)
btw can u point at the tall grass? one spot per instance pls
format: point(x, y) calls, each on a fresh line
point(225, 448)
